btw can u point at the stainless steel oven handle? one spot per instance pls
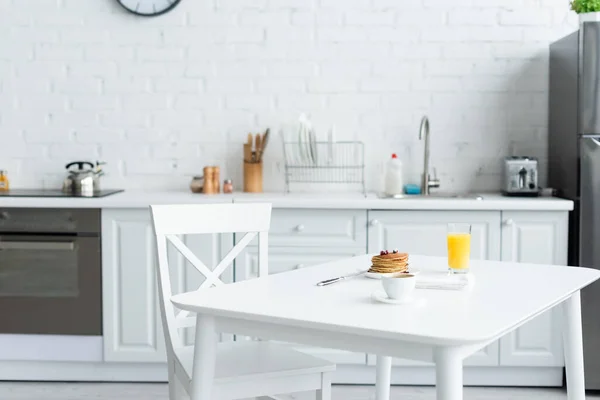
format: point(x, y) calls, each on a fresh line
point(37, 246)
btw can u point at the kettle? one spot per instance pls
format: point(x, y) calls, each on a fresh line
point(85, 179)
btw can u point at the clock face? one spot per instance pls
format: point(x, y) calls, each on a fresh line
point(149, 8)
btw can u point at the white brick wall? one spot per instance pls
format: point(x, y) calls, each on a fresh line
point(160, 98)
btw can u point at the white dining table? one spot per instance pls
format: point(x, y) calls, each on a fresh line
point(440, 326)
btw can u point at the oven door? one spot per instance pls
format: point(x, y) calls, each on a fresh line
point(50, 284)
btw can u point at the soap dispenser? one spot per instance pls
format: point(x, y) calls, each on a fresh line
point(394, 181)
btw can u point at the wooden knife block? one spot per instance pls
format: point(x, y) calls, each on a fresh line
point(253, 177)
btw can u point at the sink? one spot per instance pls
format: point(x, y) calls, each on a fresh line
point(435, 196)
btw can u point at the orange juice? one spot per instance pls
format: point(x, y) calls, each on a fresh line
point(459, 250)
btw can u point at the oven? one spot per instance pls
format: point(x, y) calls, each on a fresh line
point(50, 273)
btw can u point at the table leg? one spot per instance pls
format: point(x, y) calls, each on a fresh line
point(205, 351)
point(448, 374)
point(573, 344)
point(383, 377)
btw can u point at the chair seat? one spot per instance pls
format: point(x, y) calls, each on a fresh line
point(254, 359)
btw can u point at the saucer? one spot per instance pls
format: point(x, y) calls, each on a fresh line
point(379, 275)
point(381, 296)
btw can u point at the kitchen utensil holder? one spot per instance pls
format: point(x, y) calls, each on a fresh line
point(325, 163)
point(253, 177)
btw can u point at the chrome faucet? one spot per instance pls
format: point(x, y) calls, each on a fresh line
point(426, 181)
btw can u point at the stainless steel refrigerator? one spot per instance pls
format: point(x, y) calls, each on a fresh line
point(574, 165)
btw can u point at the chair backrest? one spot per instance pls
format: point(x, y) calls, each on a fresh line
point(169, 221)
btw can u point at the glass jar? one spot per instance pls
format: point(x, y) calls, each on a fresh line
point(197, 184)
point(227, 186)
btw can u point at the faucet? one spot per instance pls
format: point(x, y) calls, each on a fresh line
point(426, 181)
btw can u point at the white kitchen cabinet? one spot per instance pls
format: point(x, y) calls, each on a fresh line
point(424, 232)
point(131, 319)
point(317, 228)
point(305, 237)
point(132, 328)
point(538, 238)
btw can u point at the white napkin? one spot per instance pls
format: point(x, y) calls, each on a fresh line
point(444, 281)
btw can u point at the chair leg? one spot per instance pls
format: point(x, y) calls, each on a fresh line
point(176, 391)
point(325, 392)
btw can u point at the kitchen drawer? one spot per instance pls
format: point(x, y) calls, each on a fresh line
point(282, 259)
point(322, 228)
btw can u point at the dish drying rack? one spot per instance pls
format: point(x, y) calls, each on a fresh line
point(325, 163)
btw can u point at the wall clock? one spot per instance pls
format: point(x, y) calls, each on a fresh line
point(148, 8)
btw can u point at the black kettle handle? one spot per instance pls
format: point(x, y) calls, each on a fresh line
point(79, 164)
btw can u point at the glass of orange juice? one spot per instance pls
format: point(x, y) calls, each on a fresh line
point(459, 248)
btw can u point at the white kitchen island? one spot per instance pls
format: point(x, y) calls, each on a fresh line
point(310, 229)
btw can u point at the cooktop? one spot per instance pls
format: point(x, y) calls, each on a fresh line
point(54, 193)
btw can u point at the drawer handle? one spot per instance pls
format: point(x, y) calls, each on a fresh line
point(299, 228)
point(299, 266)
point(374, 222)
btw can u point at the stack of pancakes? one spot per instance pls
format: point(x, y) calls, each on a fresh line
point(389, 263)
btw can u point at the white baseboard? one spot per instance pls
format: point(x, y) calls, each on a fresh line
point(345, 374)
point(82, 372)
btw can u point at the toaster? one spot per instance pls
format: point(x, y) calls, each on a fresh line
point(520, 176)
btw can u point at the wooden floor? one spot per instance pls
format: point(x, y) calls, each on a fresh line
point(156, 391)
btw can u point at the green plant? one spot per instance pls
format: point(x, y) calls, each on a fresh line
point(585, 6)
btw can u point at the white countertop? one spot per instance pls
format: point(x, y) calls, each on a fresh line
point(142, 199)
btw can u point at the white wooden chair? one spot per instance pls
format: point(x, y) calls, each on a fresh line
point(243, 368)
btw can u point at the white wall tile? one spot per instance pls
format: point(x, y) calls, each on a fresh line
point(159, 98)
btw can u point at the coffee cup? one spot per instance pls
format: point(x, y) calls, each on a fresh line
point(399, 287)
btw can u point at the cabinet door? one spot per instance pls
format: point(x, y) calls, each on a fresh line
point(424, 233)
point(132, 328)
point(539, 238)
point(131, 320)
point(283, 259)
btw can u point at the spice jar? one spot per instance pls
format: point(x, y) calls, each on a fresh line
point(197, 184)
point(217, 179)
point(3, 181)
point(227, 186)
point(209, 181)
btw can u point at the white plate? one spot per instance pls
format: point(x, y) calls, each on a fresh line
point(300, 144)
point(382, 297)
point(378, 275)
point(313, 146)
point(303, 139)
